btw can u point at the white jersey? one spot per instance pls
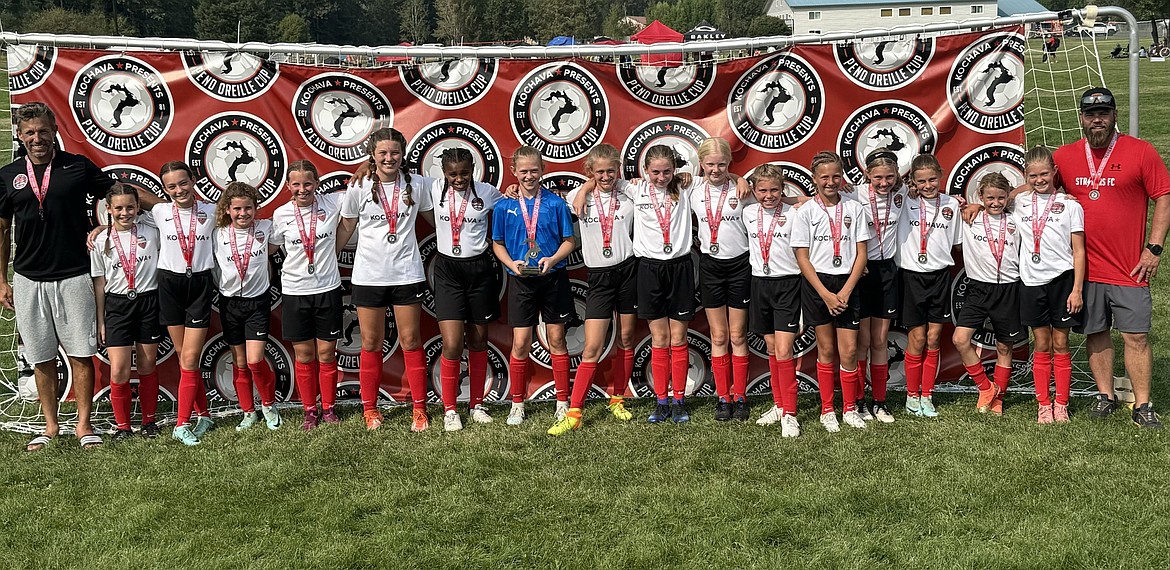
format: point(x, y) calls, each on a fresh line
point(475, 236)
point(648, 242)
point(171, 253)
point(104, 260)
point(885, 210)
point(589, 226)
point(255, 282)
point(811, 229)
point(781, 260)
point(1065, 216)
point(295, 278)
point(733, 241)
point(944, 219)
point(377, 261)
point(978, 259)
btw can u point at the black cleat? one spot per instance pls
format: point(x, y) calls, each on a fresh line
point(1102, 407)
point(741, 411)
point(722, 410)
point(122, 435)
point(1144, 417)
point(150, 430)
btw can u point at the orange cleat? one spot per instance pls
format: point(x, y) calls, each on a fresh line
point(986, 397)
point(420, 421)
point(373, 419)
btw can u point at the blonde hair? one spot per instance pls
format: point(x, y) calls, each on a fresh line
point(827, 157)
point(1039, 153)
point(881, 157)
point(234, 190)
point(304, 166)
point(603, 151)
point(768, 171)
point(714, 145)
point(925, 162)
point(994, 180)
point(526, 151)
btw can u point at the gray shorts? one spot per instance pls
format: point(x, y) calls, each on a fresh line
point(51, 313)
point(1127, 309)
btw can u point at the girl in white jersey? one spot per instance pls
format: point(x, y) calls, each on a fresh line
point(466, 280)
point(242, 246)
point(387, 269)
point(829, 237)
point(123, 267)
point(311, 287)
point(991, 260)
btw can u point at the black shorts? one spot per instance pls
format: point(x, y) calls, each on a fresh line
point(545, 296)
point(612, 288)
point(308, 317)
point(467, 290)
point(378, 296)
point(128, 322)
point(775, 304)
point(725, 282)
point(1047, 305)
point(666, 289)
point(999, 302)
point(245, 318)
point(817, 314)
point(881, 290)
point(926, 297)
point(185, 301)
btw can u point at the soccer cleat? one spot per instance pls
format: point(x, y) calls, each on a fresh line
point(852, 418)
point(150, 430)
point(271, 417)
point(1060, 413)
point(829, 420)
point(122, 435)
point(330, 417)
point(562, 409)
point(565, 425)
point(373, 419)
point(1044, 415)
point(678, 412)
point(789, 427)
point(451, 421)
point(480, 415)
point(864, 411)
point(249, 420)
point(986, 398)
point(1144, 417)
point(926, 407)
point(1102, 407)
point(912, 405)
point(516, 414)
point(722, 410)
point(619, 411)
point(312, 419)
point(661, 412)
point(203, 424)
point(185, 435)
point(881, 414)
point(740, 410)
point(773, 415)
point(419, 421)
point(997, 406)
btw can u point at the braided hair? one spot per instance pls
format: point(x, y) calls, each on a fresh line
point(450, 157)
point(392, 135)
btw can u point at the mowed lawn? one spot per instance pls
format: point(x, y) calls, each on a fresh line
point(960, 491)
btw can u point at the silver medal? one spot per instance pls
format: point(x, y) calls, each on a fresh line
point(312, 269)
point(456, 250)
point(1094, 195)
point(922, 258)
point(1035, 258)
point(188, 272)
point(836, 261)
point(392, 238)
point(767, 270)
point(607, 252)
point(131, 294)
point(714, 248)
point(667, 248)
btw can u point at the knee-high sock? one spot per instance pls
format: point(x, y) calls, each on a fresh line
point(929, 371)
point(518, 378)
point(721, 370)
point(879, 379)
point(416, 376)
point(622, 367)
point(1003, 376)
point(265, 381)
point(774, 380)
point(449, 379)
point(581, 384)
point(369, 378)
point(913, 368)
point(327, 376)
point(978, 376)
point(120, 397)
point(862, 376)
point(242, 382)
point(560, 366)
point(148, 396)
point(307, 383)
point(477, 364)
point(202, 408)
point(679, 363)
point(189, 384)
point(1042, 376)
point(1062, 370)
point(825, 382)
point(849, 388)
point(660, 369)
point(739, 372)
point(787, 372)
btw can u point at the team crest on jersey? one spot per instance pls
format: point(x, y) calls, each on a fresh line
point(216, 369)
point(130, 175)
point(798, 181)
point(349, 340)
point(495, 387)
point(948, 213)
point(1006, 159)
point(884, 64)
point(848, 221)
point(896, 126)
point(987, 83)
point(732, 202)
point(777, 104)
point(699, 379)
point(450, 83)
point(667, 87)
point(237, 147)
point(574, 332)
point(336, 112)
point(29, 65)
point(897, 200)
point(231, 76)
point(20, 182)
point(561, 110)
point(1057, 207)
point(122, 104)
point(681, 135)
point(428, 249)
point(425, 150)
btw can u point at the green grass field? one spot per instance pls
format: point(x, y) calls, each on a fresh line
point(960, 491)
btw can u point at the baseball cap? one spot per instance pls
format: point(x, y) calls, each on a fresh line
point(1098, 98)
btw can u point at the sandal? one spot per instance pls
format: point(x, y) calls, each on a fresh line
point(38, 443)
point(91, 441)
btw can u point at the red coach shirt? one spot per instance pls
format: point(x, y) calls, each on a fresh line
point(1115, 222)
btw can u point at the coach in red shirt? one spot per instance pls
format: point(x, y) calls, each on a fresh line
point(1115, 176)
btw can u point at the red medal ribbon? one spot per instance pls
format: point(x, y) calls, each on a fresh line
point(996, 252)
point(1095, 171)
point(456, 219)
point(186, 242)
point(923, 229)
point(834, 227)
point(714, 219)
point(390, 207)
point(878, 223)
point(42, 189)
point(1040, 221)
point(308, 241)
point(663, 218)
point(128, 264)
point(603, 218)
point(242, 261)
point(766, 244)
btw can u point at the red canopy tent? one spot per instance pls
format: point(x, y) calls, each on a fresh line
point(657, 33)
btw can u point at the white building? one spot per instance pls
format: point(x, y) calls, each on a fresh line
point(825, 16)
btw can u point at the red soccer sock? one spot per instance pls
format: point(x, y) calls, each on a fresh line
point(369, 378)
point(660, 369)
point(307, 384)
point(242, 382)
point(929, 371)
point(449, 381)
point(518, 378)
point(621, 368)
point(978, 376)
point(721, 370)
point(1041, 376)
point(774, 380)
point(581, 384)
point(189, 384)
point(120, 396)
point(1003, 376)
point(786, 369)
point(1062, 370)
point(327, 377)
point(201, 406)
point(850, 382)
point(739, 373)
point(862, 374)
point(416, 376)
point(825, 383)
point(879, 379)
point(477, 364)
point(148, 396)
point(680, 361)
point(265, 381)
point(913, 368)
point(560, 367)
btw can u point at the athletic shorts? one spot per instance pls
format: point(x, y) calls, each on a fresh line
point(926, 297)
point(1127, 309)
point(244, 318)
point(467, 290)
point(540, 297)
point(997, 302)
point(379, 296)
point(185, 301)
point(1047, 305)
point(55, 313)
point(666, 289)
point(881, 290)
point(816, 313)
point(725, 282)
point(128, 322)
point(775, 304)
point(612, 288)
point(308, 317)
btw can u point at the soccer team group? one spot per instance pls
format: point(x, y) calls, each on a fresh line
point(1066, 250)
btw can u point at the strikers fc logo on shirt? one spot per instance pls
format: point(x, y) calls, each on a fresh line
point(777, 104)
point(667, 87)
point(237, 147)
point(425, 151)
point(28, 66)
point(560, 110)
point(681, 135)
point(1006, 159)
point(230, 76)
point(451, 83)
point(121, 104)
point(893, 125)
point(884, 64)
point(336, 112)
point(986, 83)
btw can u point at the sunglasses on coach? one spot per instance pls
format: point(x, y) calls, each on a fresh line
point(1096, 99)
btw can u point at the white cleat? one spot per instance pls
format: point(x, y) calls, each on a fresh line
point(516, 414)
point(562, 410)
point(789, 427)
point(451, 421)
point(771, 416)
point(829, 420)
point(853, 419)
point(480, 415)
